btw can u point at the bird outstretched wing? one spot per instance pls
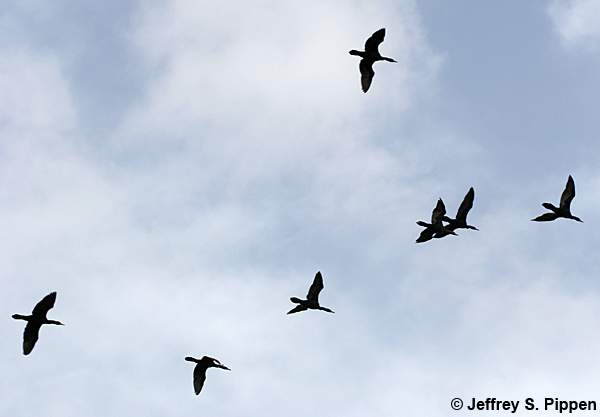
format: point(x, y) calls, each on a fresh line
point(199, 378)
point(30, 336)
point(315, 288)
point(426, 234)
point(568, 194)
point(372, 44)
point(466, 205)
point(297, 309)
point(42, 308)
point(438, 212)
point(366, 73)
point(546, 217)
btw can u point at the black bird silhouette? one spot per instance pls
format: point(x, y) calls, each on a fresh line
point(436, 228)
point(312, 298)
point(460, 222)
point(200, 370)
point(369, 56)
point(35, 321)
point(565, 205)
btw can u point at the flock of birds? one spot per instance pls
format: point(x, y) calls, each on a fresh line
point(38, 318)
point(436, 229)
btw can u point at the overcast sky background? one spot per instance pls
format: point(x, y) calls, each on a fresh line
point(176, 170)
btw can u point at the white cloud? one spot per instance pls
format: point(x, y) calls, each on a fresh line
point(577, 21)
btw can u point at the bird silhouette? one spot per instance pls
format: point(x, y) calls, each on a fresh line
point(200, 370)
point(35, 321)
point(312, 298)
point(564, 210)
point(369, 56)
point(436, 228)
point(460, 222)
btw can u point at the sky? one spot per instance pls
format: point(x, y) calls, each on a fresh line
point(176, 170)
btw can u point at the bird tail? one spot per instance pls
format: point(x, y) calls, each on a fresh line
point(295, 300)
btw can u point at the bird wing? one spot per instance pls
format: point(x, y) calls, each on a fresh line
point(315, 288)
point(426, 234)
point(366, 74)
point(199, 378)
point(568, 194)
point(546, 217)
point(372, 44)
point(30, 336)
point(466, 205)
point(438, 212)
point(297, 309)
point(42, 308)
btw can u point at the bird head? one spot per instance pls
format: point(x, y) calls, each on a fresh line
point(218, 364)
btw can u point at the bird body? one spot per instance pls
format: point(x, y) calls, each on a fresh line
point(35, 321)
point(564, 209)
point(369, 56)
point(200, 370)
point(436, 228)
point(460, 222)
point(312, 298)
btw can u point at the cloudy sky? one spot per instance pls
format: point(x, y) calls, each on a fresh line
point(176, 170)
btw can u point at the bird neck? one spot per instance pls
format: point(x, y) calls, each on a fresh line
point(20, 317)
point(357, 53)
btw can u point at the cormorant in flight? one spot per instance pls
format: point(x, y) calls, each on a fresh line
point(200, 370)
point(565, 205)
point(436, 228)
point(35, 321)
point(312, 298)
point(369, 56)
point(460, 222)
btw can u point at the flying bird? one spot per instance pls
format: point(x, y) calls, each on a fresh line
point(369, 56)
point(200, 370)
point(35, 321)
point(565, 205)
point(436, 228)
point(312, 298)
point(460, 222)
